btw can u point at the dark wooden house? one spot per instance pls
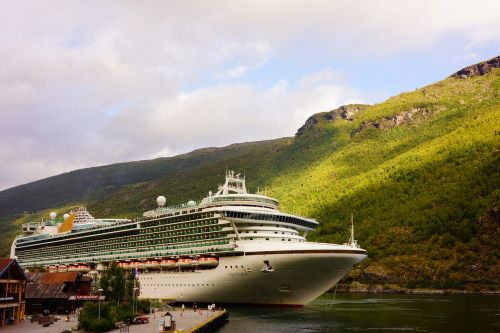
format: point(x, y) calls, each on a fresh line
point(53, 291)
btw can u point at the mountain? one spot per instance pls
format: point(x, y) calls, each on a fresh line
point(420, 172)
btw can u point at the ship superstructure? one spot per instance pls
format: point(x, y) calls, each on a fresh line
point(230, 247)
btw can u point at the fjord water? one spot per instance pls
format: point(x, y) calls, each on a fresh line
point(374, 313)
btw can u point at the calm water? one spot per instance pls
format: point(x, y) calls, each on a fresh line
point(374, 313)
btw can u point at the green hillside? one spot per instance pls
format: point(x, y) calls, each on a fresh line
point(420, 172)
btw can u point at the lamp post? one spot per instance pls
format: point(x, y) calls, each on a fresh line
point(156, 304)
point(99, 302)
point(134, 307)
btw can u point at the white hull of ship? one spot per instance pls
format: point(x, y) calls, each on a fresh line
point(296, 279)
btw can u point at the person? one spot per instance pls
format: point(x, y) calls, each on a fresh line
point(213, 307)
point(194, 306)
point(182, 308)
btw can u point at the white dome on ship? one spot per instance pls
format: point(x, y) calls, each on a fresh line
point(53, 215)
point(161, 201)
point(65, 216)
point(191, 203)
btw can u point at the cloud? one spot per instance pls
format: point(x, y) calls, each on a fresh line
point(88, 83)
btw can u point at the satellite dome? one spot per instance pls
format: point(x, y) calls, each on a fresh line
point(191, 203)
point(53, 215)
point(161, 200)
point(65, 216)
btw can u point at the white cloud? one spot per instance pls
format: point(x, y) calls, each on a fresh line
point(233, 72)
point(88, 83)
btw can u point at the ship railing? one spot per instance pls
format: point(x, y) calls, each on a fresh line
point(155, 249)
point(137, 255)
point(210, 200)
point(184, 206)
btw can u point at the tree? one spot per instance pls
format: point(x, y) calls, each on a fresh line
point(87, 318)
point(113, 283)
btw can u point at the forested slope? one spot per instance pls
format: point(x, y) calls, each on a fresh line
point(420, 172)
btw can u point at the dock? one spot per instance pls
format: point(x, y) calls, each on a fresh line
point(189, 321)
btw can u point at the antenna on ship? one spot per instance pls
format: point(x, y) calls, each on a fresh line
point(352, 242)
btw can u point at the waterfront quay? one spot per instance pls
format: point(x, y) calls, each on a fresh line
point(188, 321)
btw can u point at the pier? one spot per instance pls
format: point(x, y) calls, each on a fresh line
point(187, 321)
point(190, 321)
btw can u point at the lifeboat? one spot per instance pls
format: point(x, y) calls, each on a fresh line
point(152, 264)
point(52, 269)
point(62, 268)
point(185, 262)
point(83, 268)
point(134, 264)
point(208, 262)
point(124, 265)
point(168, 263)
point(73, 268)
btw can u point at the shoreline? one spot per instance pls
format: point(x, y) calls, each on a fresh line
point(359, 288)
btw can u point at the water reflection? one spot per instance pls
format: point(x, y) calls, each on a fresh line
point(376, 313)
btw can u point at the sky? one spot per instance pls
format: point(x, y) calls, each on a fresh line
point(88, 83)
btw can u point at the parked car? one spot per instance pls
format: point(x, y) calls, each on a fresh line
point(140, 320)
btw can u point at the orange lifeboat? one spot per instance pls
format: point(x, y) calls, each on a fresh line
point(153, 263)
point(52, 269)
point(208, 262)
point(134, 264)
point(62, 268)
point(185, 262)
point(72, 268)
point(168, 263)
point(83, 268)
point(124, 265)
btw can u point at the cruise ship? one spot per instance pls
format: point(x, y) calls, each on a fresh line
point(230, 247)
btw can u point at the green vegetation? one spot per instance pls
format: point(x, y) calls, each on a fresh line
point(117, 287)
point(420, 172)
point(112, 283)
point(88, 318)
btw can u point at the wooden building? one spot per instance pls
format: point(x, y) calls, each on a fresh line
point(54, 291)
point(12, 292)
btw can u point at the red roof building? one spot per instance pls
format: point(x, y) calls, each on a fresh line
point(52, 291)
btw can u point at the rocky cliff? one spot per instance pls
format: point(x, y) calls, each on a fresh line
point(481, 68)
point(345, 112)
